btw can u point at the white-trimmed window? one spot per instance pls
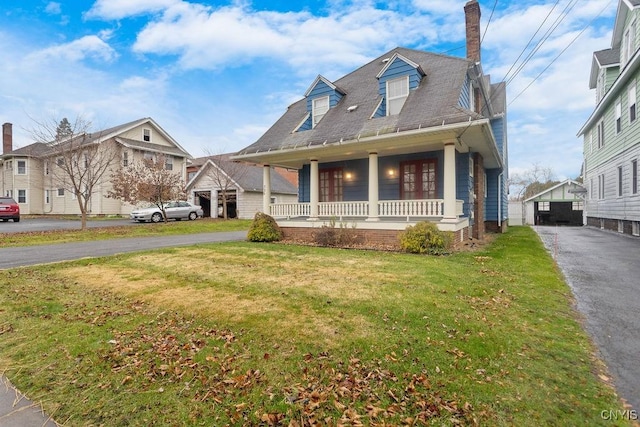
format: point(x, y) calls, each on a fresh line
point(168, 163)
point(632, 102)
point(620, 173)
point(397, 93)
point(320, 106)
point(601, 134)
point(46, 167)
point(634, 177)
point(47, 197)
point(577, 206)
point(21, 167)
point(60, 192)
point(125, 158)
point(146, 135)
point(22, 196)
point(544, 206)
point(618, 117)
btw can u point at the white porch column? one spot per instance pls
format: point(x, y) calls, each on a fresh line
point(314, 191)
point(266, 189)
point(214, 204)
point(450, 182)
point(373, 187)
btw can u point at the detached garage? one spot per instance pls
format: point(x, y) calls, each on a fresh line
point(562, 204)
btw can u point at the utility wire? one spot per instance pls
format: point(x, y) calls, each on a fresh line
point(530, 40)
point(560, 54)
point(489, 21)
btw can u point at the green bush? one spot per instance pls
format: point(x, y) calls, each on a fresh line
point(425, 238)
point(264, 228)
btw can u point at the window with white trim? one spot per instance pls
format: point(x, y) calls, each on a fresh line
point(620, 181)
point(577, 206)
point(47, 197)
point(632, 102)
point(397, 93)
point(60, 192)
point(46, 167)
point(168, 163)
point(146, 135)
point(544, 206)
point(21, 168)
point(634, 177)
point(125, 158)
point(618, 117)
point(22, 196)
point(320, 106)
point(601, 134)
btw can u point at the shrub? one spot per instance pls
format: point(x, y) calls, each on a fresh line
point(425, 238)
point(264, 228)
point(330, 235)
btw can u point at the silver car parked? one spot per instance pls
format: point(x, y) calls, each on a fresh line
point(174, 210)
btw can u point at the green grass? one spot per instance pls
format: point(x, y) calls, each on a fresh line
point(272, 334)
point(113, 232)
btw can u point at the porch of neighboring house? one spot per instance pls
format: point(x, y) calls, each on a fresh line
point(379, 197)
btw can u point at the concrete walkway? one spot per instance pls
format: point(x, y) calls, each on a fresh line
point(15, 409)
point(603, 270)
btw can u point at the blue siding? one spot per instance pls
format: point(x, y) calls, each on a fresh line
point(321, 89)
point(465, 95)
point(494, 181)
point(398, 68)
point(497, 127)
point(464, 182)
point(388, 186)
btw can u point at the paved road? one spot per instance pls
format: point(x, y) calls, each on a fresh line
point(31, 255)
point(15, 409)
point(45, 223)
point(603, 270)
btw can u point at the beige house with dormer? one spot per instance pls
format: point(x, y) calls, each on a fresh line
point(26, 173)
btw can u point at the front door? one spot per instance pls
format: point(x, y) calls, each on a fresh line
point(331, 185)
point(418, 179)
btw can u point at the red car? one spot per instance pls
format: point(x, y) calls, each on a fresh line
point(9, 209)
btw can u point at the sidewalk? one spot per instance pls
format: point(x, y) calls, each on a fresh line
point(18, 411)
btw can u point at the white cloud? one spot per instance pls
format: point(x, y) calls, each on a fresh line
point(119, 9)
point(77, 50)
point(53, 8)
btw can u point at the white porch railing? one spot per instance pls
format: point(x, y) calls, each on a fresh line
point(432, 208)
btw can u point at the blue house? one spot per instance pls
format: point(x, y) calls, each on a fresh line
point(410, 136)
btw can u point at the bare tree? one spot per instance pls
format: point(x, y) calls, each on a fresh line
point(225, 177)
point(148, 181)
point(76, 160)
point(531, 182)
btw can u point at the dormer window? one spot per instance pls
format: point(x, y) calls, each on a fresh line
point(320, 108)
point(146, 135)
point(397, 93)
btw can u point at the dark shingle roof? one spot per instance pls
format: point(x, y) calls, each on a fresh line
point(434, 102)
point(608, 56)
point(248, 176)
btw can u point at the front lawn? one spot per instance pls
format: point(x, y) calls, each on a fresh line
point(272, 334)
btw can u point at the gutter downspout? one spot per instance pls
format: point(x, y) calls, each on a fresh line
point(500, 201)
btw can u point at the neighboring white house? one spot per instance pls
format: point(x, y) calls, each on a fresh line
point(562, 204)
point(242, 183)
point(27, 173)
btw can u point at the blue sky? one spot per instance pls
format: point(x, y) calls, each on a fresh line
point(217, 74)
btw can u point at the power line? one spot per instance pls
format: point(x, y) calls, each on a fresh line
point(560, 54)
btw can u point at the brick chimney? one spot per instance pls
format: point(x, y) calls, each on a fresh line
point(7, 138)
point(472, 21)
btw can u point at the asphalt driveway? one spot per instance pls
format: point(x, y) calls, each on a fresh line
point(603, 270)
point(47, 223)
